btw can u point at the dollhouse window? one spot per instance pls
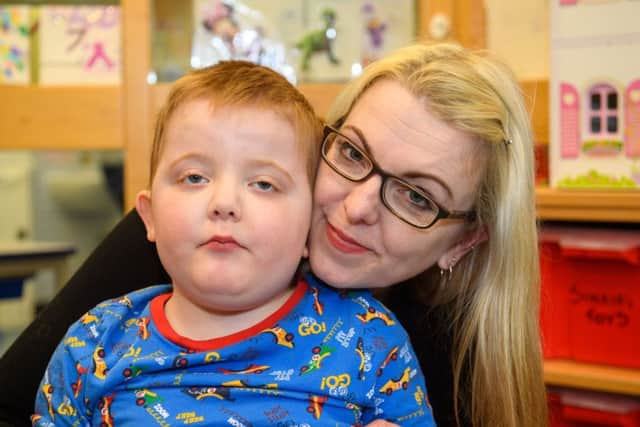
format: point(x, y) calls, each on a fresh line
point(603, 110)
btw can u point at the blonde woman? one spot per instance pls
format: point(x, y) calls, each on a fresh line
point(453, 124)
point(426, 194)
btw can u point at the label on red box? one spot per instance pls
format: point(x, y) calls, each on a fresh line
point(601, 308)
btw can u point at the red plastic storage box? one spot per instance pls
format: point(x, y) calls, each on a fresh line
point(590, 305)
point(578, 408)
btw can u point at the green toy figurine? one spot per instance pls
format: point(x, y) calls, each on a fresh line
point(319, 40)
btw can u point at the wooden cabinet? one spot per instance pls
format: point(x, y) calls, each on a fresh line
point(60, 118)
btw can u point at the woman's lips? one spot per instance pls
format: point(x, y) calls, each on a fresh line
point(343, 242)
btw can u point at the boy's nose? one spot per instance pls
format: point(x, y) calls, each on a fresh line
point(224, 202)
point(362, 204)
point(224, 212)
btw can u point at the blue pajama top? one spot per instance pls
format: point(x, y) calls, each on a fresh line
point(326, 357)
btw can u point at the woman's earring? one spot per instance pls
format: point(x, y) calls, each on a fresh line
point(444, 278)
point(445, 274)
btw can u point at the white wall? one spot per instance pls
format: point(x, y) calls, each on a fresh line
point(518, 31)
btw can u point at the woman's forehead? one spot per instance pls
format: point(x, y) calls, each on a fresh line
point(389, 109)
point(405, 136)
point(390, 118)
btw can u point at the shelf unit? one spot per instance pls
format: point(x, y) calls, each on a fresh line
point(609, 379)
point(89, 117)
point(60, 118)
point(591, 206)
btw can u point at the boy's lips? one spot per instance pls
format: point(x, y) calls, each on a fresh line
point(222, 243)
point(343, 242)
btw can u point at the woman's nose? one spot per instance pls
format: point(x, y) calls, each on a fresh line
point(225, 203)
point(362, 204)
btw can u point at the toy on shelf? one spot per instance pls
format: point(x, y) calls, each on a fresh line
point(310, 41)
point(320, 41)
point(595, 94)
point(228, 29)
point(373, 33)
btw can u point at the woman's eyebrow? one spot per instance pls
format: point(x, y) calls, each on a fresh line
point(408, 174)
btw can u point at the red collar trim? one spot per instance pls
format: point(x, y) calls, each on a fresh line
point(160, 319)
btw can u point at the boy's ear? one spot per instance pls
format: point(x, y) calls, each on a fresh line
point(143, 206)
point(470, 239)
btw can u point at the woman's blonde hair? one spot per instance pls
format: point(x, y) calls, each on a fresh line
point(494, 289)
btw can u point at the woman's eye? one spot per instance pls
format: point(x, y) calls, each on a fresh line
point(416, 198)
point(351, 153)
point(418, 201)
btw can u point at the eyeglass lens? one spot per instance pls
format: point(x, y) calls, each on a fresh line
point(402, 199)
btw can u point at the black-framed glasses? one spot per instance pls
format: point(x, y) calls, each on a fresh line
point(406, 201)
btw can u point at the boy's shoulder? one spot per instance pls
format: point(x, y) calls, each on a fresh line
point(116, 311)
point(133, 302)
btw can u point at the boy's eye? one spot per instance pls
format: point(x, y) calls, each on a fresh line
point(193, 178)
point(264, 186)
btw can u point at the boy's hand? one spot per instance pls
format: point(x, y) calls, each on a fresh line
point(381, 423)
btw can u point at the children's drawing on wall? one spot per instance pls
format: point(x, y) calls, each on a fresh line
point(15, 28)
point(595, 94)
point(80, 44)
point(228, 29)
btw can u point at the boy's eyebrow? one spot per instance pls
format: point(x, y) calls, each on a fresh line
point(255, 162)
point(271, 164)
point(409, 174)
point(187, 156)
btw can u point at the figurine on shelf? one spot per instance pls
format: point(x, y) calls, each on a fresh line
point(219, 20)
point(374, 29)
point(230, 29)
point(320, 40)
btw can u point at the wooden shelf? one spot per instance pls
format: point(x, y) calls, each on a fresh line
point(320, 95)
point(60, 118)
point(588, 205)
point(608, 379)
point(90, 117)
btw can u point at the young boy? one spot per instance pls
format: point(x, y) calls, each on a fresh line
point(239, 338)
